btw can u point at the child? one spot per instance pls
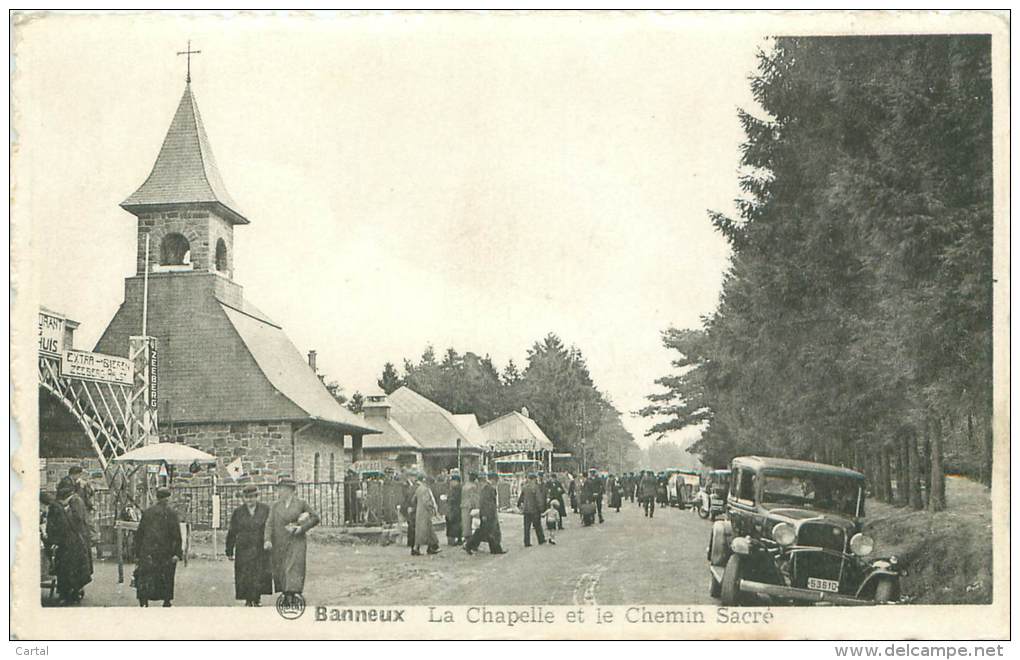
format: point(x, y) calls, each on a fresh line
point(552, 521)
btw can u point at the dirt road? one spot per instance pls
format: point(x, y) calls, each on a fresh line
point(628, 559)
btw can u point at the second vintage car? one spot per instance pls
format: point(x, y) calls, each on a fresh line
point(794, 534)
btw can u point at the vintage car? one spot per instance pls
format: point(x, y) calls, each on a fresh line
point(714, 490)
point(793, 534)
point(680, 487)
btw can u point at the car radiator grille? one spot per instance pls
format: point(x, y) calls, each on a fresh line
point(822, 535)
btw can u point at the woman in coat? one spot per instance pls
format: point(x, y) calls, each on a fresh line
point(290, 519)
point(615, 493)
point(424, 510)
point(67, 535)
point(248, 548)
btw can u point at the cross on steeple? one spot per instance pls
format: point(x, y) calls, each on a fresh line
point(189, 53)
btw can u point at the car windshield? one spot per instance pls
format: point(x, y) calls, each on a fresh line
point(815, 491)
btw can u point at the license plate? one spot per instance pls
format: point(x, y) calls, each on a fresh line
point(823, 585)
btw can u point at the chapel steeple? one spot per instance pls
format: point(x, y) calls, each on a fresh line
point(183, 205)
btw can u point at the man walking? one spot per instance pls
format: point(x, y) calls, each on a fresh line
point(454, 521)
point(646, 492)
point(408, 489)
point(599, 491)
point(488, 510)
point(249, 549)
point(158, 547)
point(468, 503)
point(290, 518)
point(532, 505)
point(424, 510)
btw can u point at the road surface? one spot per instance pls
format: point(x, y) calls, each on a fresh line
point(628, 559)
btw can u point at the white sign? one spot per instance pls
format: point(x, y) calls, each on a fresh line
point(97, 367)
point(235, 469)
point(51, 334)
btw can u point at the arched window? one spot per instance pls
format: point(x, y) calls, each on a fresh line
point(174, 250)
point(221, 256)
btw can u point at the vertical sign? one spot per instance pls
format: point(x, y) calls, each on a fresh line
point(51, 334)
point(153, 375)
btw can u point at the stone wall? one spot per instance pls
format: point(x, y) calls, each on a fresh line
point(263, 447)
point(320, 446)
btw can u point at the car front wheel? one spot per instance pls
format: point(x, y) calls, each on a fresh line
point(730, 588)
point(703, 512)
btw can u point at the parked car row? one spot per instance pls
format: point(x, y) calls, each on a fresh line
point(792, 532)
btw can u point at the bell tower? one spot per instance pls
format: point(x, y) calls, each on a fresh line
point(183, 207)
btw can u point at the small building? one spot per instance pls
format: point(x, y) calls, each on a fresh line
point(393, 447)
point(515, 442)
point(412, 425)
point(231, 383)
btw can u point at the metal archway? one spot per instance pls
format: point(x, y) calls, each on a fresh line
point(116, 417)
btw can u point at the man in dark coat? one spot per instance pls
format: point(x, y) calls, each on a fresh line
point(158, 548)
point(532, 505)
point(647, 488)
point(290, 518)
point(67, 538)
point(408, 488)
point(599, 491)
point(488, 510)
point(454, 522)
point(555, 494)
point(572, 492)
point(248, 548)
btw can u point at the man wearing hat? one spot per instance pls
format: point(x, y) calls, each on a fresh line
point(158, 548)
point(290, 518)
point(67, 538)
point(532, 505)
point(488, 510)
point(425, 510)
point(249, 549)
point(75, 478)
point(468, 503)
point(454, 521)
point(593, 490)
point(408, 487)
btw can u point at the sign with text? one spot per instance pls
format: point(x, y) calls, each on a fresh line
point(97, 367)
point(153, 376)
point(51, 334)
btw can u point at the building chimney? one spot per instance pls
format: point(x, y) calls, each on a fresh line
point(376, 406)
point(311, 361)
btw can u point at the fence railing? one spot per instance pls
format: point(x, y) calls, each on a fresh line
point(194, 504)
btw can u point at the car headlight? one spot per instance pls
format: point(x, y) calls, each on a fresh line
point(862, 545)
point(784, 534)
point(741, 545)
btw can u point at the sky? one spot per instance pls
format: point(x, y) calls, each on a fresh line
point(474, 181)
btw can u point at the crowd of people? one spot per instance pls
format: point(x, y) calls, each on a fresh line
point(268, 542)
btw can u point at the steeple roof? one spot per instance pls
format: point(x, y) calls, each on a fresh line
point(185, 171)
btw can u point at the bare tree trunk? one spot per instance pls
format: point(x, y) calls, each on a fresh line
point(885, 485)
point(988, 453)
point(937, 494)
point(913, 473)
point(903, 473)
